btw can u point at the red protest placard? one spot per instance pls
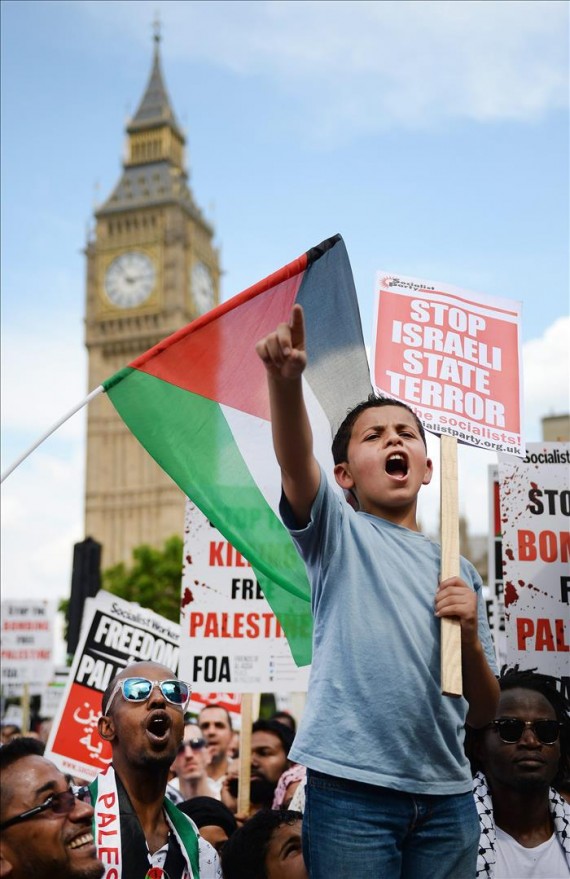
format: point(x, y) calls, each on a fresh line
point(453, 356)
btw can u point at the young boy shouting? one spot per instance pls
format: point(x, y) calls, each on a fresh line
point(388, 784)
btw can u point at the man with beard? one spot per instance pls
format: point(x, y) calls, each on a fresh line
point(520, 757)
point(45, 824)
point(137, 827)
point(270, 744)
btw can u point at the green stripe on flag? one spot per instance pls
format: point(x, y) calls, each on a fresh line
point(189, 437)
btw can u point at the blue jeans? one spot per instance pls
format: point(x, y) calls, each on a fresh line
point(360, 831)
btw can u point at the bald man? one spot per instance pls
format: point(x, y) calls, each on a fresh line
point(136, 825)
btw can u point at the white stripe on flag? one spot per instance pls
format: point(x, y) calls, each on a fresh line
point(253, 438)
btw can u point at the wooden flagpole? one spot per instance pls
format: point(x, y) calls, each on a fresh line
point(243, 804)
point(451, 676)
point(25, 702)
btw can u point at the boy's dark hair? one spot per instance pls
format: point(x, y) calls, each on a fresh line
point(281, 730)
point(343, 434)
point(243, 855)
point(530, 679)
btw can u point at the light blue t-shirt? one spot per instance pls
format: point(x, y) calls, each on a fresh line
point(374, 711)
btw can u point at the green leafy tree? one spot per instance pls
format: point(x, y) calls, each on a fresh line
point(153, 580)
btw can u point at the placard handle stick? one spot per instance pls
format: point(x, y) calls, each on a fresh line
point(451, 677)
point(26, 709)
point(245, 754)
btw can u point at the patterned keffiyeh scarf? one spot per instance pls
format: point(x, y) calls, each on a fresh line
point(120, 841)
point(486, 859)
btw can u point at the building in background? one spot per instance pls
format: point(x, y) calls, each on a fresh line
point(556, 428)
point(151, 268)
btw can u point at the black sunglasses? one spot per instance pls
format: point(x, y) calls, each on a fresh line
point(510, 729)
point(195, 744)
point(60, 804)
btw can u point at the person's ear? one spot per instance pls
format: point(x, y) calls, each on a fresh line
point(343, 476)
point(6, 866)
point(106, 728)
point(429, 472)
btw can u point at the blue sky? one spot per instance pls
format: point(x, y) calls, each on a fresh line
point(432, 135)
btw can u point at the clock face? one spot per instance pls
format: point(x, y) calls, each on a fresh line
point(202, 287)
point(130, 279)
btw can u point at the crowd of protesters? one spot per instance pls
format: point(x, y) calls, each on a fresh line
point(153, 809)
point(379, 780)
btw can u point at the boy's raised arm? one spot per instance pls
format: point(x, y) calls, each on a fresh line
point(283, 353)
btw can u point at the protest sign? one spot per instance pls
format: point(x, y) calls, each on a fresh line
point(27, 640)
point(114, 634)
point(52, 695)
point(453, 356)
point(535, 515)
point(230, 637)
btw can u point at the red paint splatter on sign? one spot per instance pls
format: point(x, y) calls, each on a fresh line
point(187, 598)
point(511, 594)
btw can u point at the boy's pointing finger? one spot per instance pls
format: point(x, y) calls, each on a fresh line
point(297, 325)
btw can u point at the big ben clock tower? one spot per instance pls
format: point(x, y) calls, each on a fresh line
point(151, 268)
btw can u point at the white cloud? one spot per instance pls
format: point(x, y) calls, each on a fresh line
point(362, 66)
point(547, 376)
point(42, 517)
point(43, 375)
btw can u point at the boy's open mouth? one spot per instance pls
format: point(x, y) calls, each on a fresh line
point(396, 465)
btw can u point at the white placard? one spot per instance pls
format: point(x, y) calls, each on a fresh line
point(535, 516)
point(230, 638)
point(27, 644)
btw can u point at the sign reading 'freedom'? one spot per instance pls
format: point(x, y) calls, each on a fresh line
point(453, 356)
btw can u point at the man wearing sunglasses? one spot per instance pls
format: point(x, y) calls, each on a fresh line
point(190, 765)
point(137, 827)
point(45, 825)
point(519, 760)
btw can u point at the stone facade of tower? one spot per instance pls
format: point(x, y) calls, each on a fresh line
point(151, 268)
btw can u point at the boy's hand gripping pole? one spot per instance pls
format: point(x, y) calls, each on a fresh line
point(451, 677)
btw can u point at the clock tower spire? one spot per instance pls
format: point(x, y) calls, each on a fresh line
point(151, 268)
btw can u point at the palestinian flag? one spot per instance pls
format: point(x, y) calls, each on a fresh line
point(198, 403)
